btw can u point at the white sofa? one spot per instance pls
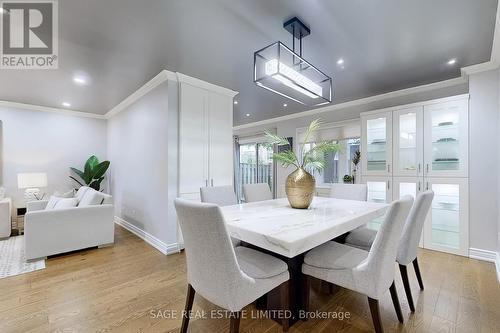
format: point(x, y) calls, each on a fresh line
point(49, 232)
point(5, 218)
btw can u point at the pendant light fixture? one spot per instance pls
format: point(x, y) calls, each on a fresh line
point(284, 72)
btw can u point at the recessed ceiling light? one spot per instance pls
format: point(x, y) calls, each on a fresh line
point(66, 104)
point(79, 80)
point(248, 115)
point(1, 10)
point(452, 61)
point(235, 102)
point(285, 105)
point(340, 61)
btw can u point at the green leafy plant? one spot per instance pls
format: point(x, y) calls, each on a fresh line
point(348, 179)
point(356, 158)
point(92, 174)
point(312, 159)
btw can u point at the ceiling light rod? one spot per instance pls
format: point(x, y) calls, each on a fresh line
point(298, 30)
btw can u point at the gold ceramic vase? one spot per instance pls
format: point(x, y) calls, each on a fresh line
point(299, 188)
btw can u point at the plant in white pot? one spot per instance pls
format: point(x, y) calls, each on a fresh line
point(300, 184)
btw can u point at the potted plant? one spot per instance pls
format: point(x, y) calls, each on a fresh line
point(300, 184)
point(348, 179)
point(92, 174)
point(355, 160)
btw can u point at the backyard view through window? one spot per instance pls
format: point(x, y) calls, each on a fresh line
point(337, 164)
point(255, 166)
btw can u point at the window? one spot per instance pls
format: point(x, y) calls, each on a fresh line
point(255, 165)
point(338, 164)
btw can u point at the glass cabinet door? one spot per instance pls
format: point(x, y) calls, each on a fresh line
point(411, 186)
point(408, 141)
point(446, 227)
point(380, 191)
point(446, 139)
point(377, 144)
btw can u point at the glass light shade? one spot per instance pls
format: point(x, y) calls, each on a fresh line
point(280, 70)
point(31, 180)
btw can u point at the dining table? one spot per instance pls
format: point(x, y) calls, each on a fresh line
point(274, 227)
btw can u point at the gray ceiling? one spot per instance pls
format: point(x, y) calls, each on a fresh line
point(121, 44)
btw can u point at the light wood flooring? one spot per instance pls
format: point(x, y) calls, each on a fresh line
point(124, 287)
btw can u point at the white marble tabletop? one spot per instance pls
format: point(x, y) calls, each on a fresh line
point(273, 225)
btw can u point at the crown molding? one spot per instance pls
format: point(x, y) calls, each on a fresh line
point(162, 77)
point(65, 112)
point(478, 68)
point(393, 94)
point(205, 85)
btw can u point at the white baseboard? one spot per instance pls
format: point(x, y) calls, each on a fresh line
point(148, 238)
point(484, 255)
point(497, 264)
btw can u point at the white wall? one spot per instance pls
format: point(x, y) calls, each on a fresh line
point(483, 160)
point(34, 141)
point(142, 148)
point(288, 128)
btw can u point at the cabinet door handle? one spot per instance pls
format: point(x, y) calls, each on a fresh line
point(206, 182)
point(212, 182)
point(419, 168)
point(388, 185)
point(427, 168)
point(427, 186)
point(388, 168)
point(419, 185)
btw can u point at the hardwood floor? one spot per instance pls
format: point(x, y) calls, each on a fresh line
point(125, 288)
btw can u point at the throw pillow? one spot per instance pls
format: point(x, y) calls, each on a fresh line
point(66, 203)
point(52, 202)
point(91, 198)
point(81, 192)
point(69, 194)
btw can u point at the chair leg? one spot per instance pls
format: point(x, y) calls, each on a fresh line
point(375, 311)
point(234, 324)
point(306, 289)
point(187, 310)
point(406, 284)
point(417, 272)
point(395, 301)
point(285, 305)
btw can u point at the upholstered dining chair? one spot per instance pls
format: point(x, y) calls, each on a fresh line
point(357, 192)
point(228, 277)
point(370, 273)
point(257, 192)
point(408, 244)
point(219, 195)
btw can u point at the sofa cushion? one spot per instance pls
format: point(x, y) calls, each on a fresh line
point(81, 192)
point(69, 194)
point(53, 200)
point(66, 203)
point(91, 198)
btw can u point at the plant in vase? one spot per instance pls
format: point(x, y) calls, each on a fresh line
point(300, 184)
point(355, 160)
point(92, 174)
point(348, 179)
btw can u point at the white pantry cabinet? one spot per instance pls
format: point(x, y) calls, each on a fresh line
point(205, 136)
point(425, 146)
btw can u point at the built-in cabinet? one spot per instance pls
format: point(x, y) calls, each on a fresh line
point(205, 136)
point(409, 149)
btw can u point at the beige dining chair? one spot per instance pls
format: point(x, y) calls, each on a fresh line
point(408, 244)
point(357, 192)
point(370, 273)
point(219, 195)
point(228, 277)
point(257, 192)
